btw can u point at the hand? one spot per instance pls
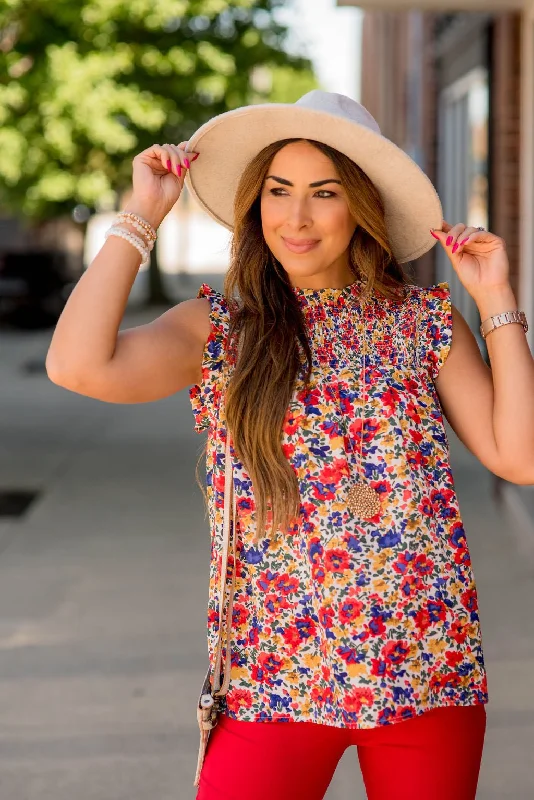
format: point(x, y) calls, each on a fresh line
point(158, 178)
point(479, 257)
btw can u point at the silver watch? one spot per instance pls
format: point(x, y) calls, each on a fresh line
point(503, 319)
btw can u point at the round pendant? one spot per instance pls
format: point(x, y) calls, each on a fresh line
point(362, 499)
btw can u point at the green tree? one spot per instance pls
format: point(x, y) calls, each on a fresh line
point(86, 85)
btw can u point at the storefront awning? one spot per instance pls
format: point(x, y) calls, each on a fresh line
point(438, 5)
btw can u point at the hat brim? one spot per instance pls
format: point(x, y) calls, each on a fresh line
point(229, 141)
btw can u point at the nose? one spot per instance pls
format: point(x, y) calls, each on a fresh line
point(298, 213)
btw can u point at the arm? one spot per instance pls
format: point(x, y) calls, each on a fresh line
point(492, 410)
point(149, 362)
point(88, 354)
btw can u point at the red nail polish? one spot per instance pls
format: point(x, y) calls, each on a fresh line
point(434, 235)
point(179, 170)
point(186, 162)
point(195, 157)
point(169, 164)
point(449, 240)
point(465, 240)
point(455, 248)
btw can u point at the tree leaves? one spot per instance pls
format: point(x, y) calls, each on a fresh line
point(85, 86)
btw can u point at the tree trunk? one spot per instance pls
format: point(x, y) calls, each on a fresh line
point(157, 295)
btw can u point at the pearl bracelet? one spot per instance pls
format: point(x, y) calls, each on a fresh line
point(135, 240)
point(138, 222)
point(149, 241)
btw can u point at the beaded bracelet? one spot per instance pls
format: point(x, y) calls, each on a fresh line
point(135, 240)
point(149, 241)
point(138, 222)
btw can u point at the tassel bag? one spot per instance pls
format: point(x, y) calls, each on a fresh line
point(212, 697)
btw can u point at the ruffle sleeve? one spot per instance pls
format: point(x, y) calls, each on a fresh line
point(205, 396)
point(434, 326)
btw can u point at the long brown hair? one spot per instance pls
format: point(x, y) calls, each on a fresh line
point(274, 340)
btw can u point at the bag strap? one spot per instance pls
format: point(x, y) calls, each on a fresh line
point(225, 620)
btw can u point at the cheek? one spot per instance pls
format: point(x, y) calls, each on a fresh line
point(336, 222)
point(271, 213)
point(333, 214)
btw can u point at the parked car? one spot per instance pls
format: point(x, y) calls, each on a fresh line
point(34, 287)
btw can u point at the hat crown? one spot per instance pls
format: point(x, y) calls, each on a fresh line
point(340, 105)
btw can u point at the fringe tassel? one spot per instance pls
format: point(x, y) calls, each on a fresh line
point(205, 725)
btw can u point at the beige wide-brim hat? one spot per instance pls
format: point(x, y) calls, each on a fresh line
point(229, 141)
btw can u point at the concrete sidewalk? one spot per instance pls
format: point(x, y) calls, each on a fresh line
point(103, 589)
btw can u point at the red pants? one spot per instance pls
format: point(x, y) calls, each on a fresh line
point(434, 756)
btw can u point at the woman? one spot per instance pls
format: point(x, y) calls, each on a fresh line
point(355, 606)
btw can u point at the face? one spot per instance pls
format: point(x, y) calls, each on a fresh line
point(305, 217)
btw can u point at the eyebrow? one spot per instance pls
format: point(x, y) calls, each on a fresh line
point(312, 185)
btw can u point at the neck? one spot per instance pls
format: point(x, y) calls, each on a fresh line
point(336, 275)
point(316, 282)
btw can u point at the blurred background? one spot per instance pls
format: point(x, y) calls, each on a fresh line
point(104, 543)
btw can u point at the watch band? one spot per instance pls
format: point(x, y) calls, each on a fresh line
point(503, 319)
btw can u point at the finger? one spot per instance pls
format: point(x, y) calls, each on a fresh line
point(184, 145)
point(186, 156)
point(181, 158)
point(153, 155)
point(467, 233)
point(160, 158)
point(472, 235)
point(172, 161)
point(438, 233)
point(449, 235)
point(454, 233)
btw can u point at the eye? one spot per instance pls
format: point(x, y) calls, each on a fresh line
point(319, 191)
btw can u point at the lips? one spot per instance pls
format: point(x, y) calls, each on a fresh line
point(300, 245)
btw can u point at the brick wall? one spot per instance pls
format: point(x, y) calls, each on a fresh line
point(425, 266)
point(389, 60)
point(505, 136)
point(384, 67)
point(385, 70)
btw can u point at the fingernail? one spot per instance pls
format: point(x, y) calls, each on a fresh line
point(179, 170)
point(195, 157)
point(449, 240)
point(455, 248)
point(434, 235)
point(465, 240)
point(169, 166)
point(186, 162)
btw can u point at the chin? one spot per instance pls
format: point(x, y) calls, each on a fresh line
point(310, 262)
point(301, 266)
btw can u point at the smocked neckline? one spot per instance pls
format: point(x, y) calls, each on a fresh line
point(327, 294)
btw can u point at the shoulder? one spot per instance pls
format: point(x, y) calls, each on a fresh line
point(433, 317)
point(431, 303)
point(205, 315)
point(214, 303)
point(434, 295)
point(192, 314)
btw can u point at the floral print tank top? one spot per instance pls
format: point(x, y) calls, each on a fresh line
point(346, 621)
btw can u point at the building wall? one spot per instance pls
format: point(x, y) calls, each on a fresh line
point(450, 44)
point(398, 88)
point(505, 139)
point(384, 70)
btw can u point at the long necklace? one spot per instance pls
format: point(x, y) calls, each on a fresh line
point(362, 499)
